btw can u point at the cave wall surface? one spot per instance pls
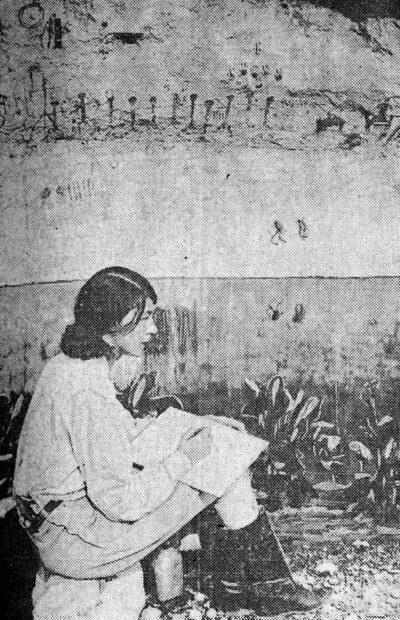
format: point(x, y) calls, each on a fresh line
point(222, 330)
point(218, 147)
point(198, 138)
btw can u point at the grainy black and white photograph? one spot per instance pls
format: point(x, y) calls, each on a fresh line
point(200, 309)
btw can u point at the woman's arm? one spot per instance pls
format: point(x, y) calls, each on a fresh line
point(101, 439)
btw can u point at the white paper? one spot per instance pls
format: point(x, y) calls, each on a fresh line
point(231, 454)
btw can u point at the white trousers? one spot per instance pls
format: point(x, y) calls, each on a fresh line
point(123, 597)
point(59, 598)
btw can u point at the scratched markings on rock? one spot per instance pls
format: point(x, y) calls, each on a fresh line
point(244, 85)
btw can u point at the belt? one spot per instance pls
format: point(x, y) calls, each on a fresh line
point(32, 515)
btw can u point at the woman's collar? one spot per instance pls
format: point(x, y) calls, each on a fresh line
point(97, 376)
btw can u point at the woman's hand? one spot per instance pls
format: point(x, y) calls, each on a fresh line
point(196, 444)
point(239, 426)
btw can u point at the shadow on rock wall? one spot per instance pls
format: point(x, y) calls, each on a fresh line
point(356, 10)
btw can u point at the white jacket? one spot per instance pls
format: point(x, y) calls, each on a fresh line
point(76, 442)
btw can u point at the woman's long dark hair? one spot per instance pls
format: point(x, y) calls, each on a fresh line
point(101, 304)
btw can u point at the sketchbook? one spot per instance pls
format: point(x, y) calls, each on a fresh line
point(231, 454)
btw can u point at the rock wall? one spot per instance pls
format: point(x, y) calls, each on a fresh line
point(220, 331)
point(198, 138)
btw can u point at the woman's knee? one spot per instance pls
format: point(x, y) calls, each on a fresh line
point(238, 506)
point(119, 598)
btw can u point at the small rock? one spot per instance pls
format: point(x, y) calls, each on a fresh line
point(194, 614)
point(304, 579)
point(329, 612)
point(333, 580)
point(360, 544)
point(199, 597)
point(151, 613)
point(211, 613)
point(326, 568)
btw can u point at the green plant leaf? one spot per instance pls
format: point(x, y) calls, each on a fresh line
point(16, 410)
point(319, 425)
point(307, 409)
point(329, 485)
point(294, 434)
point(389, 448)
point(293, 402)
point(385, 420)
point(332, 441)
point(361, 450)
point(253, 386)
point(274, 386)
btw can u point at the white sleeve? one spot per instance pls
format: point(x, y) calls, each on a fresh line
point(101, 443)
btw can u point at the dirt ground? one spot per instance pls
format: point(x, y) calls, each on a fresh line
point(355, 561)
point(363, 583)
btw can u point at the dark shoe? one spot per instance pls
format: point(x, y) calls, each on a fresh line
point(251, 572)
point(271, 598)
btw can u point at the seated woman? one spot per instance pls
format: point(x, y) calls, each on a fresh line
point(91, 512)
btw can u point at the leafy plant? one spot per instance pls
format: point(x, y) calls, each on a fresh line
point(358, 464)
point(377, 449)
point(285, 420)
point(141, 397)
point(13, 409)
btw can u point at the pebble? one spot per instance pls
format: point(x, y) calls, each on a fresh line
point(199, 597)
point(151, 613)
point(326, 568)
point(329, 612)
point(195, 614)
point(333, 580)
point(304, 579)
point(360, 544)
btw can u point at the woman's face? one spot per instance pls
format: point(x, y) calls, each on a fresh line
point(133, 341)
